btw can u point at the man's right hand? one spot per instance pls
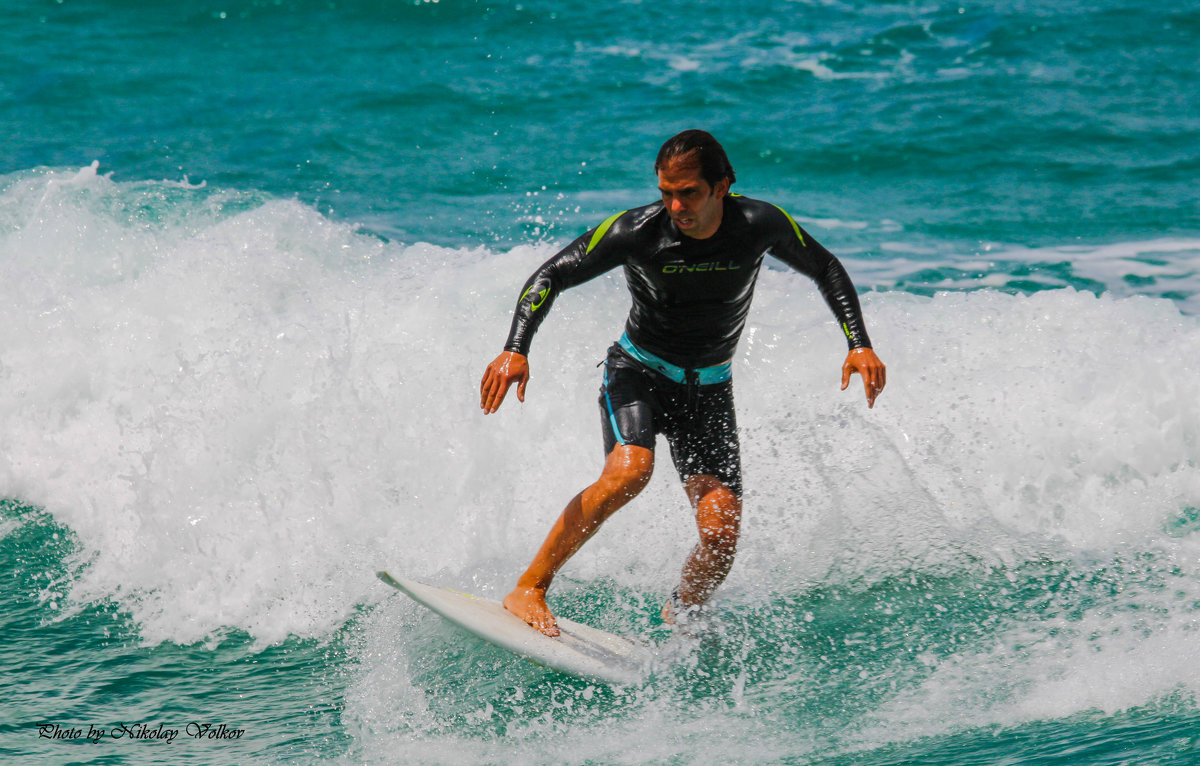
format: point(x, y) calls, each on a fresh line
point(506, 369)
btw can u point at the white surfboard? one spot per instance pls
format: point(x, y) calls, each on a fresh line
point(579, 650)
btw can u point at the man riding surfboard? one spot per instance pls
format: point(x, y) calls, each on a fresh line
point(690, 261)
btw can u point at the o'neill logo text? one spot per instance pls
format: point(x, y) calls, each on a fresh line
point(684, 268)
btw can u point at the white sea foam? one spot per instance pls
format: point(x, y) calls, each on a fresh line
point(1168, 266)
point(1125, 651)
point(242, 409)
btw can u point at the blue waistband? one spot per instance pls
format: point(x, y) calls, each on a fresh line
point(718, 373)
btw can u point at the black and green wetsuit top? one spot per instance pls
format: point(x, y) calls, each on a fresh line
point(690, 296)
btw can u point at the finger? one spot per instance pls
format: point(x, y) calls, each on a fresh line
point(521, 388)
point(879, 377)
point(486, 388)
point(877, 381)
point(495, 395)
point(845, 375)
point(498, 394)
point(483, 385)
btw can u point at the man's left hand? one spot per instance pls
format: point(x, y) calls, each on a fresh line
point(865, 363)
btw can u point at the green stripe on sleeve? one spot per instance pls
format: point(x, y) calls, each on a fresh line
point(601, 230)
point(795, 226)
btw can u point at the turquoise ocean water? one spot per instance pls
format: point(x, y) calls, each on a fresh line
point(255, 254)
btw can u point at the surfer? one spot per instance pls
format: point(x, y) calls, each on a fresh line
point(690, 262)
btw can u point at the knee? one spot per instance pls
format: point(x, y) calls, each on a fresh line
point(628, 469)
point(719, 518)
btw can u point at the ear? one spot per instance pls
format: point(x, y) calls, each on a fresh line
point(722, 188)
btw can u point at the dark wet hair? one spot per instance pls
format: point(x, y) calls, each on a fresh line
point(700, 147)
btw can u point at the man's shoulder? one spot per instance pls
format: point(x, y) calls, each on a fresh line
point(629, 227)
point(764, 217)
point(637, 218)
point(756, 210)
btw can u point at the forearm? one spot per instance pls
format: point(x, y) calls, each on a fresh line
point(839, 293)
point(536, 298)
point(576, 263)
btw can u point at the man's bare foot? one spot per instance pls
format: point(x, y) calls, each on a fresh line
point(676, 611)
point(530, 605)
point(672, 606)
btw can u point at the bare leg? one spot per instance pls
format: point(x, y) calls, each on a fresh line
point(718, 519)
point(626, 472)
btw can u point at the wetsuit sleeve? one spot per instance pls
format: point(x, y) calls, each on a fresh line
point(588, 257)
point(796, 248)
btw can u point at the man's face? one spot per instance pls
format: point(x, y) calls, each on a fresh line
point(693, 204)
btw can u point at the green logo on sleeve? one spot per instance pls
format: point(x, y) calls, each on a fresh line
point(537, 302)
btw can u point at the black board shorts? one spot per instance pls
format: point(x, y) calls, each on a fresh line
point(637, 403)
